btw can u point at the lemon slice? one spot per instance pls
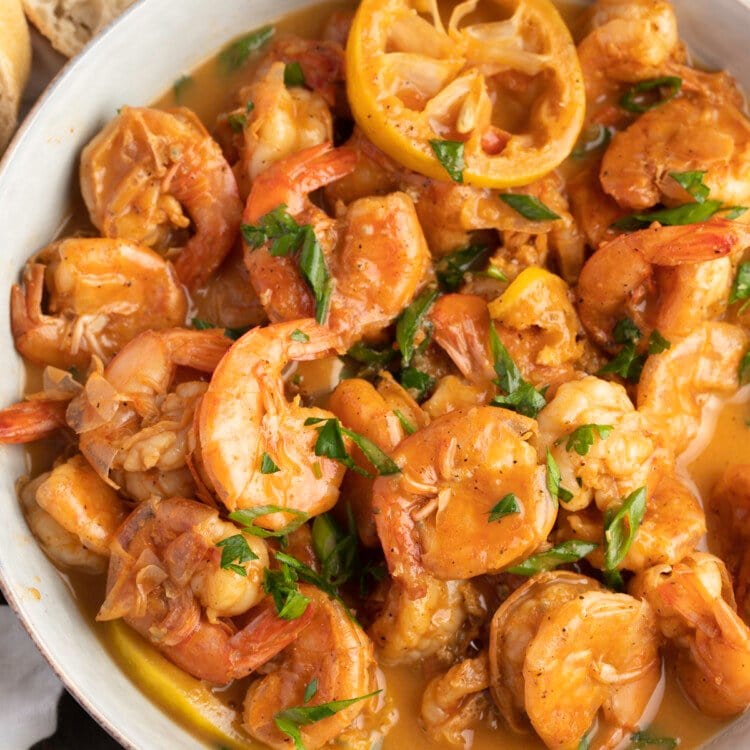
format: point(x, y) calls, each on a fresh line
point(181, 695)
point(494, 99)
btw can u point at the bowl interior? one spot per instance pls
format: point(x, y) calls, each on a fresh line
point(133, 62)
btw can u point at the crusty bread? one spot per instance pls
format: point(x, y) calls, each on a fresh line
point(69, 24)
point(15, 62)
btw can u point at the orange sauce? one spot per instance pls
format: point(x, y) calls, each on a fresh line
point(209, 90)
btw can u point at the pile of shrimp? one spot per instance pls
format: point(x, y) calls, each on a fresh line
point(407, 425)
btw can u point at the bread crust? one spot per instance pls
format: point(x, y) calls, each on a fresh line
point(70, 24)
point(15, 64)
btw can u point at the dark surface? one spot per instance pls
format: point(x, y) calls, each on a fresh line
point(76, 730)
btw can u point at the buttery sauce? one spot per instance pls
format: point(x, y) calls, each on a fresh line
point(209, 90)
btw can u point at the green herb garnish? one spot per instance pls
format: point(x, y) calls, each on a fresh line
point(246, 519)
point(417, 381)
point(282, 585)
point(336, 550)
point(451, 155)
point(410, 321)
point(310, 690)
point(293, 75)
point(582, 438)
point(236, 54)
point(640, 98)
point(741, 286)
point(657, 343)
point(529, 207)
point(743, 372)
point(450, 269)
point(234, 551)
point(644, 739)
point(567, 552)
point(299, 336)
point(692, 182)
point(237, 122)
point(620, 527)
point(553, 480)
point(504, 507)
point(267, 465)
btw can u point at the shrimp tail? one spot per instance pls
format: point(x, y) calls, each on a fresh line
point(28, 421)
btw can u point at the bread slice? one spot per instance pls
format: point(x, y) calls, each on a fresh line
point(69, 24)
point(15, 62)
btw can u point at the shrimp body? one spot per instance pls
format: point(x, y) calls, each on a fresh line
point(166, 582)
point(696, 611)
point(100, 294)
point(514, 625)
point(615, 281)
point(73, 514)
point(676, 384)
point(434, 515)
point(376, 251)
point(624, 454)
point(372, 411)
point(334, 652)
point(130, 417)
point(245, 415)
point(144, 168)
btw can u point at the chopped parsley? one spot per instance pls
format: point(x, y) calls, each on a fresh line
point(236, 54)
point(567, 552)
point(410, 321)
point(741, 286)
point(529, 207)
point(267, 465)
point(234, 551)
point(415, 380)
point(246, 519)
point(293, 75)
point(451, 268)
point(451, 155)
point(582, 438)
point(553, 480)
point(504, 507)
point(621, 526)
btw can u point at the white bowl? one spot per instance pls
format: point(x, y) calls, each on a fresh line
point(133, 62)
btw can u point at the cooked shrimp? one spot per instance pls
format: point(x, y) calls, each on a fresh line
point(143, 168)
point(28, 421)
point(100, 294)
point(728, 513)
point(334, 652)
point(453, 703)
point(376, 252)
point(625, 453)
point(282, 121)
point(245, 414)
point(166, 582)
point(675, 384)
point(672, 527)
point(434, 516)
point(685, 134)
point(513, 627)
point(696, 610)
point(616, 280)
point(597, 652)
point(131, 417)
point(378, 414)
point(440, 624)
point(73, 514)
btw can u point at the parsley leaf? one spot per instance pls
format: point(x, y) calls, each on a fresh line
point(267, 465)
point(692, 182)
point(450, 269)
point(553, 480)
point(416, 380)
point(529, 207)
point(657, 343)
point(410, 321)
point(330, 444)
point(310, 690)
point(373, 359)
point(519, 396)
point(282, 585)
point(626, 331)
point(336, 550)
point(620, 527)
point(237, 122)
point(741, 286)
point(299, 336)
point(236, 54)
point(743, 372)
point(567, 552)
point(504, 507)
point(312, 264)
point(293, 75)
point(627, 364)
point(246, 519)
point(291, 719)
point(582, 438)
point(451, 155)
point(639, 98)
point(644, 739)
point(180, 86)
point(234, 551)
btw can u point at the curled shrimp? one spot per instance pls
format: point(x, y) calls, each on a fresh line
point(376, 251)
point(245, 415)
point(685, 134)
point(434, 516)
point(514, 625)
point(697, 614)
point(100, 293)
point(727, 513)
point(624, 455)
point(132, 417)
point(144, 168)
point(618, 279)
point(166, 582)
point(382, 414)
point(334, 652)
point(439, 624)
point(675, 384)
point(454, 702)
point(73, 514)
